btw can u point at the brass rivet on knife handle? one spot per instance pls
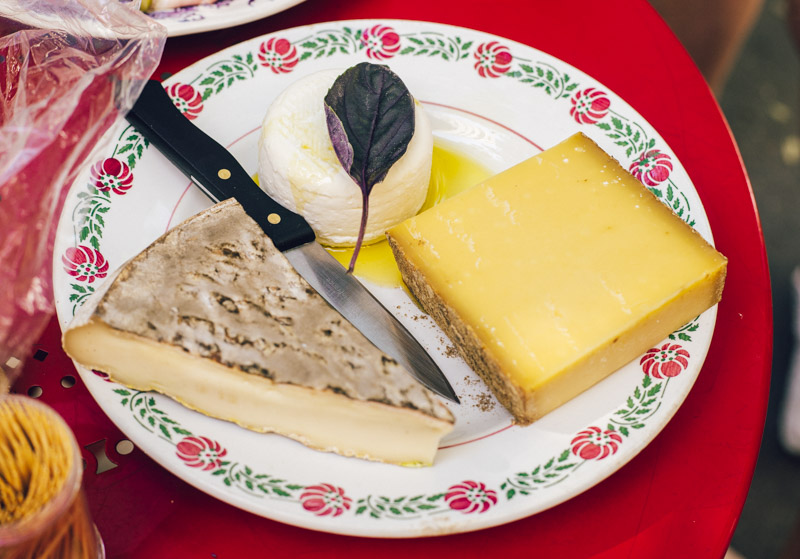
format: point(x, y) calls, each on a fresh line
point(274, 219)
point(224, 174)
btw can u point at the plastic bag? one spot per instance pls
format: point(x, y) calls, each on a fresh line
point(68, 70)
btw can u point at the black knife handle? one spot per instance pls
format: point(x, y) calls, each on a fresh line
point(212, 167)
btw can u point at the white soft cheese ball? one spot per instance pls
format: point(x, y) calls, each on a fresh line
point(298, 167)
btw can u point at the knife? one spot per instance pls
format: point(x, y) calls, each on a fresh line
point(217, 173)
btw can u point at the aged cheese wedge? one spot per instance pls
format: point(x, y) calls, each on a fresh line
point(555, 273)
point(214, 316)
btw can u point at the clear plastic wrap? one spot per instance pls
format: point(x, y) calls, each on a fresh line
point(68, 70)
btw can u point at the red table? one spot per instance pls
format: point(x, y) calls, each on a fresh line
point(681, 497)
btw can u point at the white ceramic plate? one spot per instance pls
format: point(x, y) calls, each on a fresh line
point(222, 14)
point(497, 101)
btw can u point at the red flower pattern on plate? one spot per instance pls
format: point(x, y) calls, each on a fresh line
point(470, 496)
point(595, 443)
point(666, 361)
point(187, 99)
point(111, 174)
point(201, 452)
point(589, 106)
point(104, 376)
point(84, 263)
point(382, 42)
point(279, 55)
point(652, 167)
point(493, 59)
point(325, 499)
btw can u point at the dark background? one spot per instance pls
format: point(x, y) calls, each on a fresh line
point(761, 102)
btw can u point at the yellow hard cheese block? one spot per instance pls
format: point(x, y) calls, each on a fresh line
point(553, 274)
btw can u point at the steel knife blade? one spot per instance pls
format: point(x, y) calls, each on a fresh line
point(217, 173)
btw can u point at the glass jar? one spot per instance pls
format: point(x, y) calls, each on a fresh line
point(61, 527)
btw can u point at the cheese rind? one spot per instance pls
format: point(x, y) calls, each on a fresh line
point(215, 317)
point(556, 272)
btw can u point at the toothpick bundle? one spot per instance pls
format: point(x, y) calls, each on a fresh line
point(43, 515)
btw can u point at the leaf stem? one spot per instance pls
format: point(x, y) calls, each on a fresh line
point(361, 230)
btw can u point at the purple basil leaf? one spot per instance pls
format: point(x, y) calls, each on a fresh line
point(343, 149)
point(370, 117)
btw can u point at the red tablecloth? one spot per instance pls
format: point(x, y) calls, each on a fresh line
point(681, 497)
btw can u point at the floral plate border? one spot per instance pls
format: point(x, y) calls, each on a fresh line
point(459, 502)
